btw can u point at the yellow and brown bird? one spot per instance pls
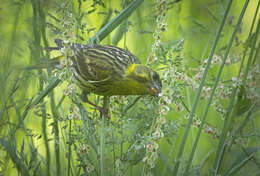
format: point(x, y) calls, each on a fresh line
point(109, 70)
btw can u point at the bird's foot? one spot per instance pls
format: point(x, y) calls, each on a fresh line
point(103, 111)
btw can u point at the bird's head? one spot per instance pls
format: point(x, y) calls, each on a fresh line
point(145, 78)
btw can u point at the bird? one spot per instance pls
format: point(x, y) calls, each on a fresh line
point(110, 71)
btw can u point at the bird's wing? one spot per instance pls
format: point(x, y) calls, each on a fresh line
point(101, 63)
point(93, 67)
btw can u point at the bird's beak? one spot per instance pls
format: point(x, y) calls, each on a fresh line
point(155, 90)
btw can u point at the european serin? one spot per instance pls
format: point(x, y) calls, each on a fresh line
point(109, 70)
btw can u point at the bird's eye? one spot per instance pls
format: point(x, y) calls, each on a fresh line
point(155, 76)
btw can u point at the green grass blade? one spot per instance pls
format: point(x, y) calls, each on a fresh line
point(226, 127)
point(251, 30)
point(102, 136)
point(54, 82)
point(242, 88)
point(44, 120)
point(208, 106)
point(109, 27)
point(251, 55)
point(195, 103)
point(10, 148)
point(241, 160)
point(38, 26)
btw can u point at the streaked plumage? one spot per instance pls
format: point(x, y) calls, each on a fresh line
point(109, 70)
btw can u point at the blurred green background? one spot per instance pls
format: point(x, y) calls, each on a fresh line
point(26, 25)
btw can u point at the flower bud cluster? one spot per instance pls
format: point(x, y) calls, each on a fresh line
point(70, 89)
point(85, 148)
point(75, 114)
point(67, 22)
point(165, 97)
point(90, 168)
point(161, 27)
point(151, 154)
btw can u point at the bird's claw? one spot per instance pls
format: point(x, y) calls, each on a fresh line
point(103, 112)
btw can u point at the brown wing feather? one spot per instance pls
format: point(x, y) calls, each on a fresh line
point(99, 62)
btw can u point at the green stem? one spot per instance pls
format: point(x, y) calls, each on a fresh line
point(56, 135)
point(228, 120)
point(109, 27)
point(251, 55)
point(69, 149)
point(251, 30)
point(45, 138)
point(210, 99)
point(195, 103)
point(237, 107)
point(102, 146)
point(131, 105)
point(44, 119)
point(102, 136)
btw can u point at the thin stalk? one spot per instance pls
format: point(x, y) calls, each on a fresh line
point(150, 134)
point(102, 136)
point(45, 136)
point(11, 97)
point(38, 19)
point(131, 105)
point(256, 53)
point(69, 149)
point(55, 115)
point(195, 103)
point(255, 130)
point(228, 121)
point(53, 83)
point(60, 102)
point(114, 152)
point(207, 108)
point(13, 37)
point(244, 123)
point(242, 162)
point(9, 146)
point(56, 135)
point(109, 27)
point(252, 27)
point(250, 57)
point(102, 146)
point(44, 119)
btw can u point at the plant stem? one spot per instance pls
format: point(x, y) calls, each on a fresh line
point(102, 135)
point(69, 148)
point(195, 103)
point(221, 146)
point(56, 134)
point(212, 92)
point(237, 107)
point(102, 146)
point(109, 27)
point(44, 119)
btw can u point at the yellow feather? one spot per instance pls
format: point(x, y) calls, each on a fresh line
point(130, 69)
